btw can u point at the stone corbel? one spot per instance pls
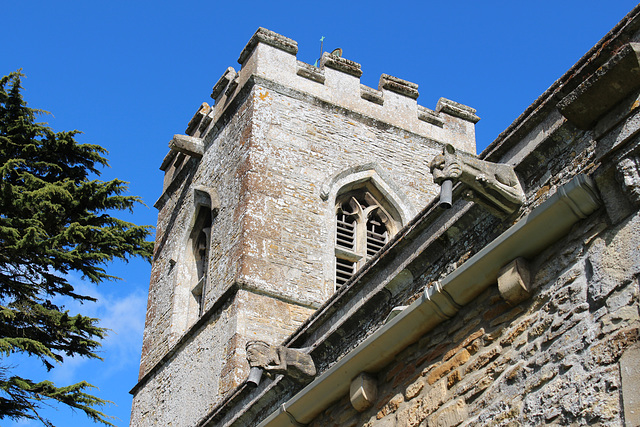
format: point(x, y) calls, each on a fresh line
point(514, 281)
point(628, 174)
point(493, 185)
point(265, 358)
point(363, 391)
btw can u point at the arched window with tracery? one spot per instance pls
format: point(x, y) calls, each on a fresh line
point(365, 222)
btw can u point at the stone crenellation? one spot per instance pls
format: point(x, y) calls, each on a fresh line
point(337, 80)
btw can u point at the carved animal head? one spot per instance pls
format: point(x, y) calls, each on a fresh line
point(446, 165)
point(493, 185)
point(260, 354)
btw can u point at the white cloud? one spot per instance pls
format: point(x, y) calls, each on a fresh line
point(124, 317)
point(121, 310)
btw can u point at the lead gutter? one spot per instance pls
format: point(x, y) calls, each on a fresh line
point(542, 227)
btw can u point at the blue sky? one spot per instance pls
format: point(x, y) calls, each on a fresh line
point(130, 75)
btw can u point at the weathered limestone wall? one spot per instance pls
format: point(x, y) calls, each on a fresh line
point(297, 147)
point(274, 151)
point(210, 362)
point(187, 385)
point(167, 321)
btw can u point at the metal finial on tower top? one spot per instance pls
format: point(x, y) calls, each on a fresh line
point(321, 51)
point(335, 52)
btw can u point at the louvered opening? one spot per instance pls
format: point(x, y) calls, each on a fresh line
point(346, 231)
point(377, 236)
point(364, 224)
point(344, 270)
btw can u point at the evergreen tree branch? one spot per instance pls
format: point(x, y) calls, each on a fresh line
point(54, 219)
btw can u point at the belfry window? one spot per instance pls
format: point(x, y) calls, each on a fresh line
point(192, 261)
point(364, 224)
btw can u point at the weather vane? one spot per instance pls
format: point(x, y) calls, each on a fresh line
point(335, 52)
point(321, 50)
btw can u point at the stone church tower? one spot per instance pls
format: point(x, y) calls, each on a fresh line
point(274, 198)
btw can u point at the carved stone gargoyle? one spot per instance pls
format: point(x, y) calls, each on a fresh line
point(493, 185)
point(295, 363)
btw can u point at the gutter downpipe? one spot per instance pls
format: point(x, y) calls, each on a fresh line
point(543, 226)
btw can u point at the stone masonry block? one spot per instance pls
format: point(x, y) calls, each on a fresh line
point(399, 86)
point(514, 281)
point(459, 359)
point(610, 349)
point(515, 332)
point(482, 359)
point(464, 344)
point(370, 94)
point(630, 373)
point(189, 145)
point(613, 261)
point(391, 406)
point(262, 35)
point(457, 110)
point(450, 415)
point(222, 83)
point(340, 64)
point(413, 389)
point(310, 72)
point(605, 88)
point(413, 412)
point(429, 116)
point(194, 123)
point(363, 391)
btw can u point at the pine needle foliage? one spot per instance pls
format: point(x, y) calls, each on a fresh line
point(54, 219)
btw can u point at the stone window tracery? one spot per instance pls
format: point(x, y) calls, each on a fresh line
point(364, 223)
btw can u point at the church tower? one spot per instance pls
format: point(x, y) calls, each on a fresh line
point(272, 200)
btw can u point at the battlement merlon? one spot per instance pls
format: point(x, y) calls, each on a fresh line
point(336, 80)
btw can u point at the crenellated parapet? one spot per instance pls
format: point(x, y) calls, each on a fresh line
point(271, 57)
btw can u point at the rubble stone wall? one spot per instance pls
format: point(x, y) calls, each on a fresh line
point(553, 359)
